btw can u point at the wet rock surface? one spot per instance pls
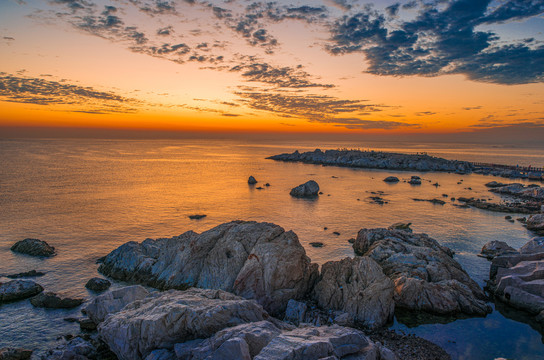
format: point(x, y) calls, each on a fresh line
point(54, 301)
point(426, 276)
point(33, 247)
point(31, 273)
point(258, 261)
point(309, 189)
point(98, 284)
point(9, 353)
point(18, 289)
point(357, 287)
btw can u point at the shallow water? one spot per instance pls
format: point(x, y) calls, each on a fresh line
point(86, 197)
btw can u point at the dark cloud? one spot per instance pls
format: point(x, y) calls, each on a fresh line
point(73, 5)
point(443, 40)
point(159, 7)
point(230, 115)
point(282, 77)
point(355, 123)
point(392, 10)
point(8, 38)
point(317, 108)
point(425, 113)
point(38, 91)
point(165, 31)
point(472, 107)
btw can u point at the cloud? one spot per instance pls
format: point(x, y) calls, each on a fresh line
point(165, 31)
point(443, 39)
point(230, 115)
point(356, 123)
point(29, 90)
point(425, 113)
point(317, 108)
point(472, 107)
point(283, 77)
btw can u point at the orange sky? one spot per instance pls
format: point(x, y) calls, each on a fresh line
point(104, 64)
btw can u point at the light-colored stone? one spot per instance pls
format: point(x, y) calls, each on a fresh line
point(258, 261)
point(358, 287)
point(426, 276)
point(535, 222)
point(113, 301)
point(163, 319)
point(535, 245)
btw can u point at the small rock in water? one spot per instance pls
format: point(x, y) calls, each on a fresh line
point(325, 228)
point(401, 226)
point(87, 324)
point(336, 233)
point(33, 247)
point(53, 301)
point(496, 248)
point(445, 195)
point(391, 179)
point(18, 289)
point(317, 244)
point(251, 180)
point(267, 184)
point(197, 216)
point(9, 353)
point(98, 284)
point(31, 273)
point(259, 188)
point(307, 190)
point(436, 184)
point(351, 240)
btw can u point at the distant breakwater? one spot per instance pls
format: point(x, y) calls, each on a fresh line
point(377, 160)
point(371, 159)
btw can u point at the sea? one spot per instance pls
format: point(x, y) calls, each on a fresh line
point(86, 197)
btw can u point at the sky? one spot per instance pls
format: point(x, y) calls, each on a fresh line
point(436, 67)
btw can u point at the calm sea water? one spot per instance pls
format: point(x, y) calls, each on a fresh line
point(87, 197)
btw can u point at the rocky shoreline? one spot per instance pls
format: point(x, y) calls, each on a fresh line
point(247, 290)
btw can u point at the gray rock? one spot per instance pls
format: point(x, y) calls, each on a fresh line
point(98, 284)
point(400, 226)
point(295, 312)
point(251, 180)
point(327, 342)
point(254, 260)
point(244, 341)
point(518, 279)
point(18, 289)
point(53, 301)
point(161, 354)
point(33, 247)
point(9, 353)
point(536, 222)
point(358, 287)
point(113, 301)
point(309, 189)
point(496, 248)
point(535, 245)
point(79, 348)
point(426, 276)
point(31, 273)
point(165, 319)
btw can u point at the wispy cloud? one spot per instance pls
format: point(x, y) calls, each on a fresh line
point(29, 90)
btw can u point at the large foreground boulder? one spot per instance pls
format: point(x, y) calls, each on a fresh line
point(426, 276)
point(518, 279)
point(258, 261)
point(18, 289)
point(33, 247)
point(113, 301)
point(309, 189)
point(199, 324)
point(358, 287)
point(164, 319)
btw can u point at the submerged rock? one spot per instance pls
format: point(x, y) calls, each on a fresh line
point(18, 289)
point(53, 301)
point(307, 190)
point(98, 284)
point(254, 260)
point(496, 248)
point(426, 276)
point(9, 353)
point(197, 216)
point(358, 287)
point(33, 247)
point(31, 273)
point(113, 301)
